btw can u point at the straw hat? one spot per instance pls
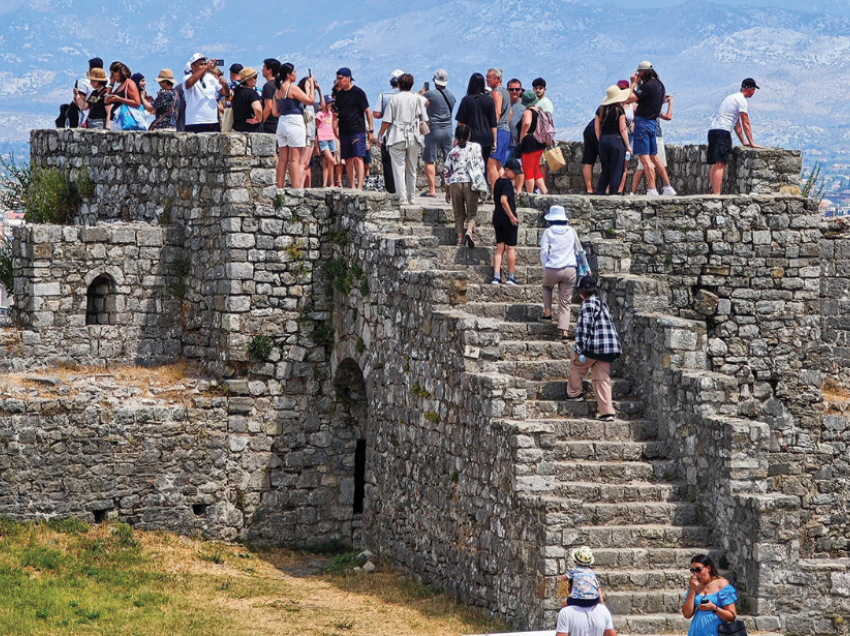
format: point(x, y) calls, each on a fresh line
point(97, 75)
point(165, 75)
point(615, 95)
point(583, 556)
point(246, 74)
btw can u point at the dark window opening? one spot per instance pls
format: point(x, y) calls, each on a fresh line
point(200, 510)
point(359, 476)
point(101, 301)
point(100, 515)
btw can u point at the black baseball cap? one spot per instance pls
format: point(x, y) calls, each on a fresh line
point(236, 68)
point(96, 62)
point(513, 165)
point(749, 83)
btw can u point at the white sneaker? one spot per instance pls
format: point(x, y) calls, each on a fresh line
point(652, 193)
point(668, 191)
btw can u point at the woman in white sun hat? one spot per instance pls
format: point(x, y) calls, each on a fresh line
point(558, 257)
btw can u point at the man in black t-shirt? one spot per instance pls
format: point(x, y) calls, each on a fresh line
point(270, 68)
point(505, 221)
point(354, 138)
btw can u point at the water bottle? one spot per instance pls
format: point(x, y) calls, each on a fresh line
point(582, 359)
point(628, 157)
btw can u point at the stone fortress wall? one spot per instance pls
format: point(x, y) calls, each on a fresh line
point(730, 312)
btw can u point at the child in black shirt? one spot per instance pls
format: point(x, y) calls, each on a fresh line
point(505, 221)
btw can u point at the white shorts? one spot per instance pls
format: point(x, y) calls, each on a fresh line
point(291, 132)
point(662, 154)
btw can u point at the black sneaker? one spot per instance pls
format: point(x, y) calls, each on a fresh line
point(605, 418)
point(565, 338)
point(577, 398)
point(545, 318)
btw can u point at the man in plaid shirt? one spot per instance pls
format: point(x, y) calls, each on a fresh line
point(597, 346)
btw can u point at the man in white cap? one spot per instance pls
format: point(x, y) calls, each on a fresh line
point(378, 111)
point(732, 115)
point(440, 105)
point(200, 92)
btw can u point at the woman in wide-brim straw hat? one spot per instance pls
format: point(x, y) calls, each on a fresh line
point(166, 104)
point(613, 134)
point(95, 103)
point(247, 104)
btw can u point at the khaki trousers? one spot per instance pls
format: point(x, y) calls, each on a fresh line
point(565, 279)
point(600, 377)
point(464, 205)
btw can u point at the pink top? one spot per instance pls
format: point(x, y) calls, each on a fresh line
point(325, 126)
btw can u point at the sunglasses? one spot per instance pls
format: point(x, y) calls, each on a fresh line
point(515, 90)
point(696, 570)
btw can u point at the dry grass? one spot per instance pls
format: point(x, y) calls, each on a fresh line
point(105, 582)
point(834, 392)
point(166, 381)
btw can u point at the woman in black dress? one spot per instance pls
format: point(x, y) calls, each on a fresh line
point(478, 111)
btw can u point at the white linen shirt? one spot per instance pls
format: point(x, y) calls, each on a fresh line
point(558, 247)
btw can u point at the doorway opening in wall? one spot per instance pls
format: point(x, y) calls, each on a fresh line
point(101, 301)
point(349, 462)
point(359, 476)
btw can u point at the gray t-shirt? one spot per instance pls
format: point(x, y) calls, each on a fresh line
point(383, 100)
point(505, 113)
point(439, 112)
point(518, 111)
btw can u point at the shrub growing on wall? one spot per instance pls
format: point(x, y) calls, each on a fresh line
point(45, 195)
point(7, 278)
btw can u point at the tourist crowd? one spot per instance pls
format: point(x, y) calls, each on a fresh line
point(336, 130)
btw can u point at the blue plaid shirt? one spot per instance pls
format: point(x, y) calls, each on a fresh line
point(595, 330)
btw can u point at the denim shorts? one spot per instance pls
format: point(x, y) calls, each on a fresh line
point(327, 145)
point(644, 143)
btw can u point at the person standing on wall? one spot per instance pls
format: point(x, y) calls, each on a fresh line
point(515, 92)
point(354, 136)
point(661, 157)
point(441, 104)
point(732, 115)
point(478, 111)
point(648, 92)
point(612, 134)
point(402, 121)
point(502, 102)
point(378, 111)
point(597, 346)
point(291, 128)
point(532, 149)
point(271, 67)
point(200, 94)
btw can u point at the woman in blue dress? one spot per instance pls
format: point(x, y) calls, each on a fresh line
point(710, 600)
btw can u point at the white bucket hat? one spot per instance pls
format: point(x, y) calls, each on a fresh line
point(557, 213)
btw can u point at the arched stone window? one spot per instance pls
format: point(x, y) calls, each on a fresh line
point(102, 301)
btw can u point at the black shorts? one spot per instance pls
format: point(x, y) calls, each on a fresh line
point(591, 145)
point(506, 234)
point(719, 146)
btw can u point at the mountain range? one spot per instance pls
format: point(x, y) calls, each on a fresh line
point(702, 50)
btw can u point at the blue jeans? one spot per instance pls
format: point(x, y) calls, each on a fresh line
point(644, 141)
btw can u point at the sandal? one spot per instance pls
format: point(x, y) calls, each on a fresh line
point(428, 196)
point(470, 243)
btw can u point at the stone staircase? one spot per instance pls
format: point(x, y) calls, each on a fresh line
point(614, 480)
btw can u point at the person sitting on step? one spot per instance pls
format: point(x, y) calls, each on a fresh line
point(597, 346)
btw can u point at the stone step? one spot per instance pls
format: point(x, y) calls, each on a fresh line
point(613, 472)
point(629, 602)
point(443, 215)
point(614, 514)
point(624, 408)
point(506, 311)
point(450, 256)
point(610, 493)
point(539, 370)
point(641, 536)
point(592, 430)
point(557, 389)
point(674, 579)
point(485, 235)
point(524, 274)
point(594, 451)
point(629, 558)
point(510, 331)
point(522, 293)
point(535, 349)
point(674, 623)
